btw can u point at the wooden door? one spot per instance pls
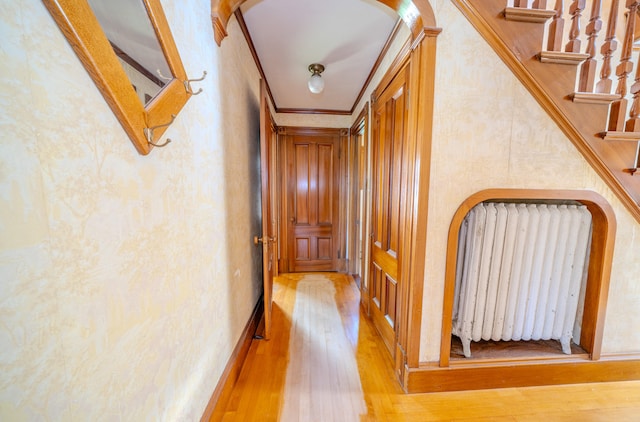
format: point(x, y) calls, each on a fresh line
point(312, 199)
point(269, 226)
point(390, 121)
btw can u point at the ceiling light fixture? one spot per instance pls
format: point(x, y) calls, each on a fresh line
point(316, 83)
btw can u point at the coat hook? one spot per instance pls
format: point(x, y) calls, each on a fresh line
point(187, 84)
point(148, 133)
point(162, 76)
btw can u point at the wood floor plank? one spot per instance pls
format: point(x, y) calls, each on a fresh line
point(305, 368)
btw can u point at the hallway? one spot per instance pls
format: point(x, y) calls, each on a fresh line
point(326, 363)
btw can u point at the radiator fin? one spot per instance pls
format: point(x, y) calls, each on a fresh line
point(521, 268)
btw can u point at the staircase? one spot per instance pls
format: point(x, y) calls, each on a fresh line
point(579, 76)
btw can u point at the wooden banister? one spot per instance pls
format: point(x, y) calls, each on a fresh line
point(552, 77)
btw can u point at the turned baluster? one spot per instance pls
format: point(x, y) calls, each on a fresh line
point(609, 47)
point(556, 27)
point(539, 4)
point(520, 3)
point(619, 107)
point(573, 46)
point(633, 124)
point(588, 69)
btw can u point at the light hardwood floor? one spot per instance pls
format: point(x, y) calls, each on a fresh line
point(326, 363)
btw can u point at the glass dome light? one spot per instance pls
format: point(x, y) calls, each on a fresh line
point(316, 83)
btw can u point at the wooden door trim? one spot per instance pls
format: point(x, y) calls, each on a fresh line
point(269, 232)
point(420, 55)
point(420, 128)
point(400, 61)
point(389, 162)
point(421, 60)
point(361, 124)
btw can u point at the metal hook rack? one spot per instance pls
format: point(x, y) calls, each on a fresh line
point(148, 133)
point(187, 84)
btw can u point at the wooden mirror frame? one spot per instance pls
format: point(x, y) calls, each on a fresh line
point(83, 31)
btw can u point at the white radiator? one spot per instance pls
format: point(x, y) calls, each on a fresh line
point(520, 271)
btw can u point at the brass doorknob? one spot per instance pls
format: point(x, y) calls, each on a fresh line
point(257, 240)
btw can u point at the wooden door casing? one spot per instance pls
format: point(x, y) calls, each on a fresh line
point(312, 198)
point(268, 236)
point(358, 217)
point(390, 121)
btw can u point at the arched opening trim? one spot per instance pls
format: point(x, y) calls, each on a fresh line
point(602, 243)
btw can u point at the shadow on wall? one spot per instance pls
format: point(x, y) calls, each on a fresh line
point(240, 120)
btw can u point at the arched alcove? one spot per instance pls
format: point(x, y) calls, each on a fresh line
point(603, 237)
point(416, 14)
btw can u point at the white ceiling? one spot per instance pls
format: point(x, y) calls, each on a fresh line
point(346, 36)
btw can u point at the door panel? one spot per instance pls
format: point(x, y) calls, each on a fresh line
point(312, 184)
point(390, 116)
point(269, 227)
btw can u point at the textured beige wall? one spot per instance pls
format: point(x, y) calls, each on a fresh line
point(489, 132)
point(126, 280)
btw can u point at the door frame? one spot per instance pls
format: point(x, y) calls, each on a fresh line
point(359, 234)
point(268, 237)
point(420, 52)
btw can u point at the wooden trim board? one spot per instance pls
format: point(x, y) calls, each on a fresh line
point(433, 378)
point(218, 402)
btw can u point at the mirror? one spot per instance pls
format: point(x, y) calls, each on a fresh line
point(90, 40)
point(128, 29)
